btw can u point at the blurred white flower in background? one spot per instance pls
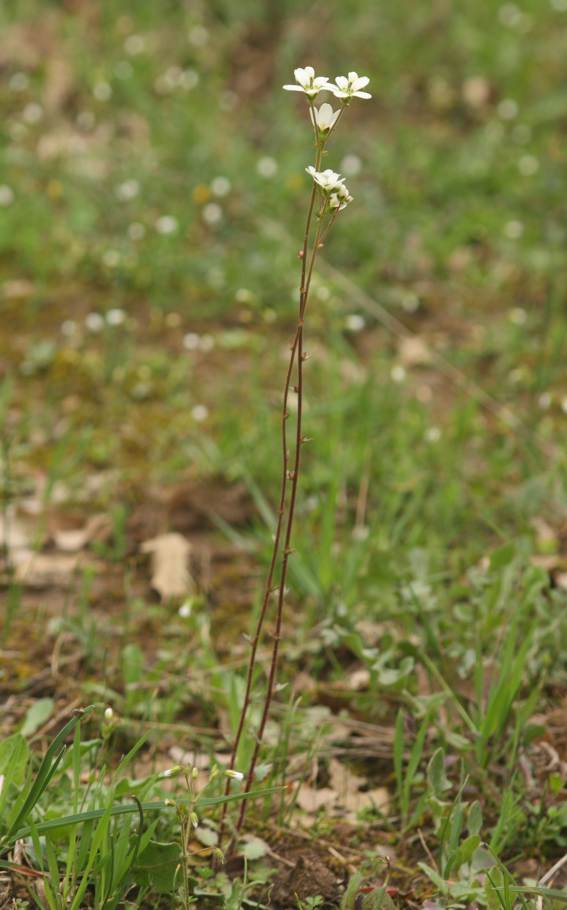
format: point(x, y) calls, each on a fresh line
point(199, 413)
point(221, 186)
point(6, 195)
point(128, 190)
point(191, 341)
point(355, 322)
point(111, 258)
point(134, 44)
point(32, 113)
point(198, 36)
point(267, 167)
point(69, 328)
point(136, 230)
point(94, 322)
point(115, 316)
point(102, 91)
point(166, 224)
point(528, 165)
point(513, 230)
point(189, 79)
point(308, 82)
point(508, 109)
point(350, 86)
point(351, 165)
point(19, 82)
point(518, 315)
point(433, 434)
point(212, 213)
point(324, 117)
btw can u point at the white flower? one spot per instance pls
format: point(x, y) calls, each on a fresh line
point(350, 86)
point(328, 180)
point(324, 117)
point(308, 82)
point(185, 609)
point(108, 714)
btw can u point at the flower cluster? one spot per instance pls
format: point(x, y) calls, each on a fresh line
point(330, 185)
point(344, 87)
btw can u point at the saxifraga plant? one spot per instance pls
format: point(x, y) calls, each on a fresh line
point(329, 196)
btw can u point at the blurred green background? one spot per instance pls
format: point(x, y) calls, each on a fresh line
point(153, 192)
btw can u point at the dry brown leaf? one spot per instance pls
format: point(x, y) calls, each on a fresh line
point(16, 532)
point(347, 785)
point(311, 800)
point(45, 570)
point(170, 570)
point(358, 679)
point(73, 539)
point(476, 91)
point(561, 580)
point(414, 351)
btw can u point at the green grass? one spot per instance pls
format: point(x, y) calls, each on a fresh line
point(144, 355)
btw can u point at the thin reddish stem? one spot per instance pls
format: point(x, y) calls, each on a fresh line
point(289, 528)
point(281, 507)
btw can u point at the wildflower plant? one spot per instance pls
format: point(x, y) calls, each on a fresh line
point(328, 197)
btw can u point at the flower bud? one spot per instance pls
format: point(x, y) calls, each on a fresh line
point(235, 775)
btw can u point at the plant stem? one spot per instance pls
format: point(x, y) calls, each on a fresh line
point(297, 345)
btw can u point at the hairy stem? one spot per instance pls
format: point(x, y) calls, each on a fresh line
point(268, 590)
point(305, 284)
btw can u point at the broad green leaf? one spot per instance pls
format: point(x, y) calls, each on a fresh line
point(436, 773)
point(156, 866)
point(36, 715)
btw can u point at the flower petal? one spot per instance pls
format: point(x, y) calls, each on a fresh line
point(362, 95)
point(292, 88)
point(359, 83)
